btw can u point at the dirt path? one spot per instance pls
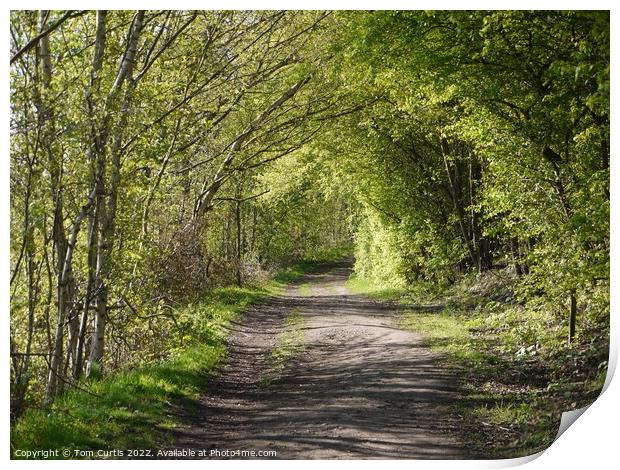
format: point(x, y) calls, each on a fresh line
point(360, 388)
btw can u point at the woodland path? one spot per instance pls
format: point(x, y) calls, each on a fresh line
point(360, 388)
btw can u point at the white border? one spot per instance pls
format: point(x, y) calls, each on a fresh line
point(590, 443)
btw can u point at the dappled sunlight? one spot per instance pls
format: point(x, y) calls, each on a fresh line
point(360, 387)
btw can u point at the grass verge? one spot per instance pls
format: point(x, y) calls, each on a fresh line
point(122, 410)
point(517, 377)
point(378, 292)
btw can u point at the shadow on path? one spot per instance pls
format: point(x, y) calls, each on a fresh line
point(360, 388)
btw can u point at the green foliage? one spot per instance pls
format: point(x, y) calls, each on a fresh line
point(482, 147)
point(374, 290)
point(305, 215)
point(122, 410)
point(442, 149)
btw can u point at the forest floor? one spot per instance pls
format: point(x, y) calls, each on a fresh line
point(320, 372)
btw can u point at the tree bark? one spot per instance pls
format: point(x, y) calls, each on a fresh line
point(514, 250)
point(92, 266)
point(458, 208)
point(107, 212)
point(64, 274)
point(239, 254)
point(572, 317)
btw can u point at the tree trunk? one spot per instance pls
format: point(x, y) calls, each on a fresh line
point(253, 232)
point(107, 215)
point(64, 275)
point(238, 241)
point(485, 260)
point(92, 266)
point(458, 208)
point(572, 317)
point(514, 250)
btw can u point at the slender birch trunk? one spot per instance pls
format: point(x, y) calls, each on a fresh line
point(107, 214)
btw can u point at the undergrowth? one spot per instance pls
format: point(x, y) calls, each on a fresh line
point(122, 410)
